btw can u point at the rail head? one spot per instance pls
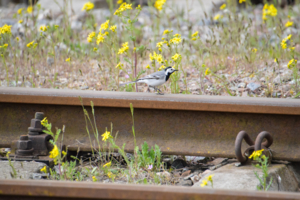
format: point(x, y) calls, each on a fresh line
point(150, 100)
point(28, 189)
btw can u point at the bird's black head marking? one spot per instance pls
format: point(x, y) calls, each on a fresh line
point(168, 71)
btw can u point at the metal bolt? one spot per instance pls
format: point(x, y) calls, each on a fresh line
point(24, 143)
point(39, 115)
point(36, 123)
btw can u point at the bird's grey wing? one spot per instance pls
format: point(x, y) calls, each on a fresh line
point(155, 75)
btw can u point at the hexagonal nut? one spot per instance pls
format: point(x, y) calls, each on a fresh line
point(36, 123)
point(24, 144)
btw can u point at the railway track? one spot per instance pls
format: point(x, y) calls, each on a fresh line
point(179, 124)
point(20, 189)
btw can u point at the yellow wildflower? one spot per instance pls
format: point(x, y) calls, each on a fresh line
point(222, 7)
point(54, 153)
point(289, 37)
point(44, 122)
point(194, 38)
point(241, 1)
point(20, 21)
point(94, 178)
point(113, 28)
point(254, 50)
point(161, 68)
point(159, 44)
point(95, 49)
point(124, 6)
point(159, 58)
point(292, 48)
point(159, 4)
point(175, 40)
point(218, 16)
point(68, 59)
point(56, 26)
point(20, 11)
point(119, 1)
point(124, 48)
point(106, 33)
point(176, 56)
point(30, 44)
point(204, 183)
point(5, 29)
point(43, 28)
point(177, 35)
point(283, 42)
point(148, 67)
point(17, 38)
point(269, 10)
point(88, 6)
point(209, 178)
point(44, 169)
point(109, 174)
point(107, 164)
point(106, 136)
point(138, 7)
point(64, 153)
point(288, 24)
point(119, 65)
point(256, 154)
point(195, 34)
point(167, 31)
point(275, 60)
point(291, 63)
point(35, 45)
point(4, 46)
point(104, 26)
point(29, 9)
point(100, 38)
point(207, 72)
point(91, 36)
point(152, 57)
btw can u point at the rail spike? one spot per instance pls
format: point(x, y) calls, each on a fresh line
point(257, 145)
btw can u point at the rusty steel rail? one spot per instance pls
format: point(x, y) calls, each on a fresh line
point(38, 189)
point(179, 124)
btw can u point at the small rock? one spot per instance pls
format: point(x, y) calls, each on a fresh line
point(185, 183)
point(253, 86)
point(218, 161)
point(186, 173)
point(195, 179)
point(176, 174)
point(194, 158)
point(165, 174)
point(242, 85)
point(84, 88)
point(178, 164)
point(188, 177)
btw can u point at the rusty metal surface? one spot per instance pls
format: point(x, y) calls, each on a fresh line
point(179, 124)
point(33, 189)
point(151, 101)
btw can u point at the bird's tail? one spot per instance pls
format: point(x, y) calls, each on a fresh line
point(127, 83)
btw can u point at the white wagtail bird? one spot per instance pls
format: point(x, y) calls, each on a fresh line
point(155, 79)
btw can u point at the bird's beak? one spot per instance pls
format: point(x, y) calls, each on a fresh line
point(175, 70)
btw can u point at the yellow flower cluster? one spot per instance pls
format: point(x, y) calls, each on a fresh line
point(161, 68)
point(68, 59)
point(254, 50)
point(283, 42)
point(291, 63)
point(54, 153)
point(20, 21)
point(119, 65)
point(176, 56)
point(119, 1)
point(88, 6)
point(157, 57)
point(208, 179)
point(159, 4)
point(91, 36)
point(107, 164)
point(5, 29)
point(104, 26)
point(175, 40)
point(288, 24)
point(4, 46)
point(218, 16)
point(268, 10)
point(194, 35)
point(94, 178)
point(207, 72)
point(222, 7)
point(106, 136)
point(124, 6)
point(124, 48)
point(30, 44)
point(20, 11)
point(44, 122)
point(167, 31)
point(256, 154)
point(241, 1)
point(44, 169)
point(43, 28)
point(113, 28)
point(29, 9)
